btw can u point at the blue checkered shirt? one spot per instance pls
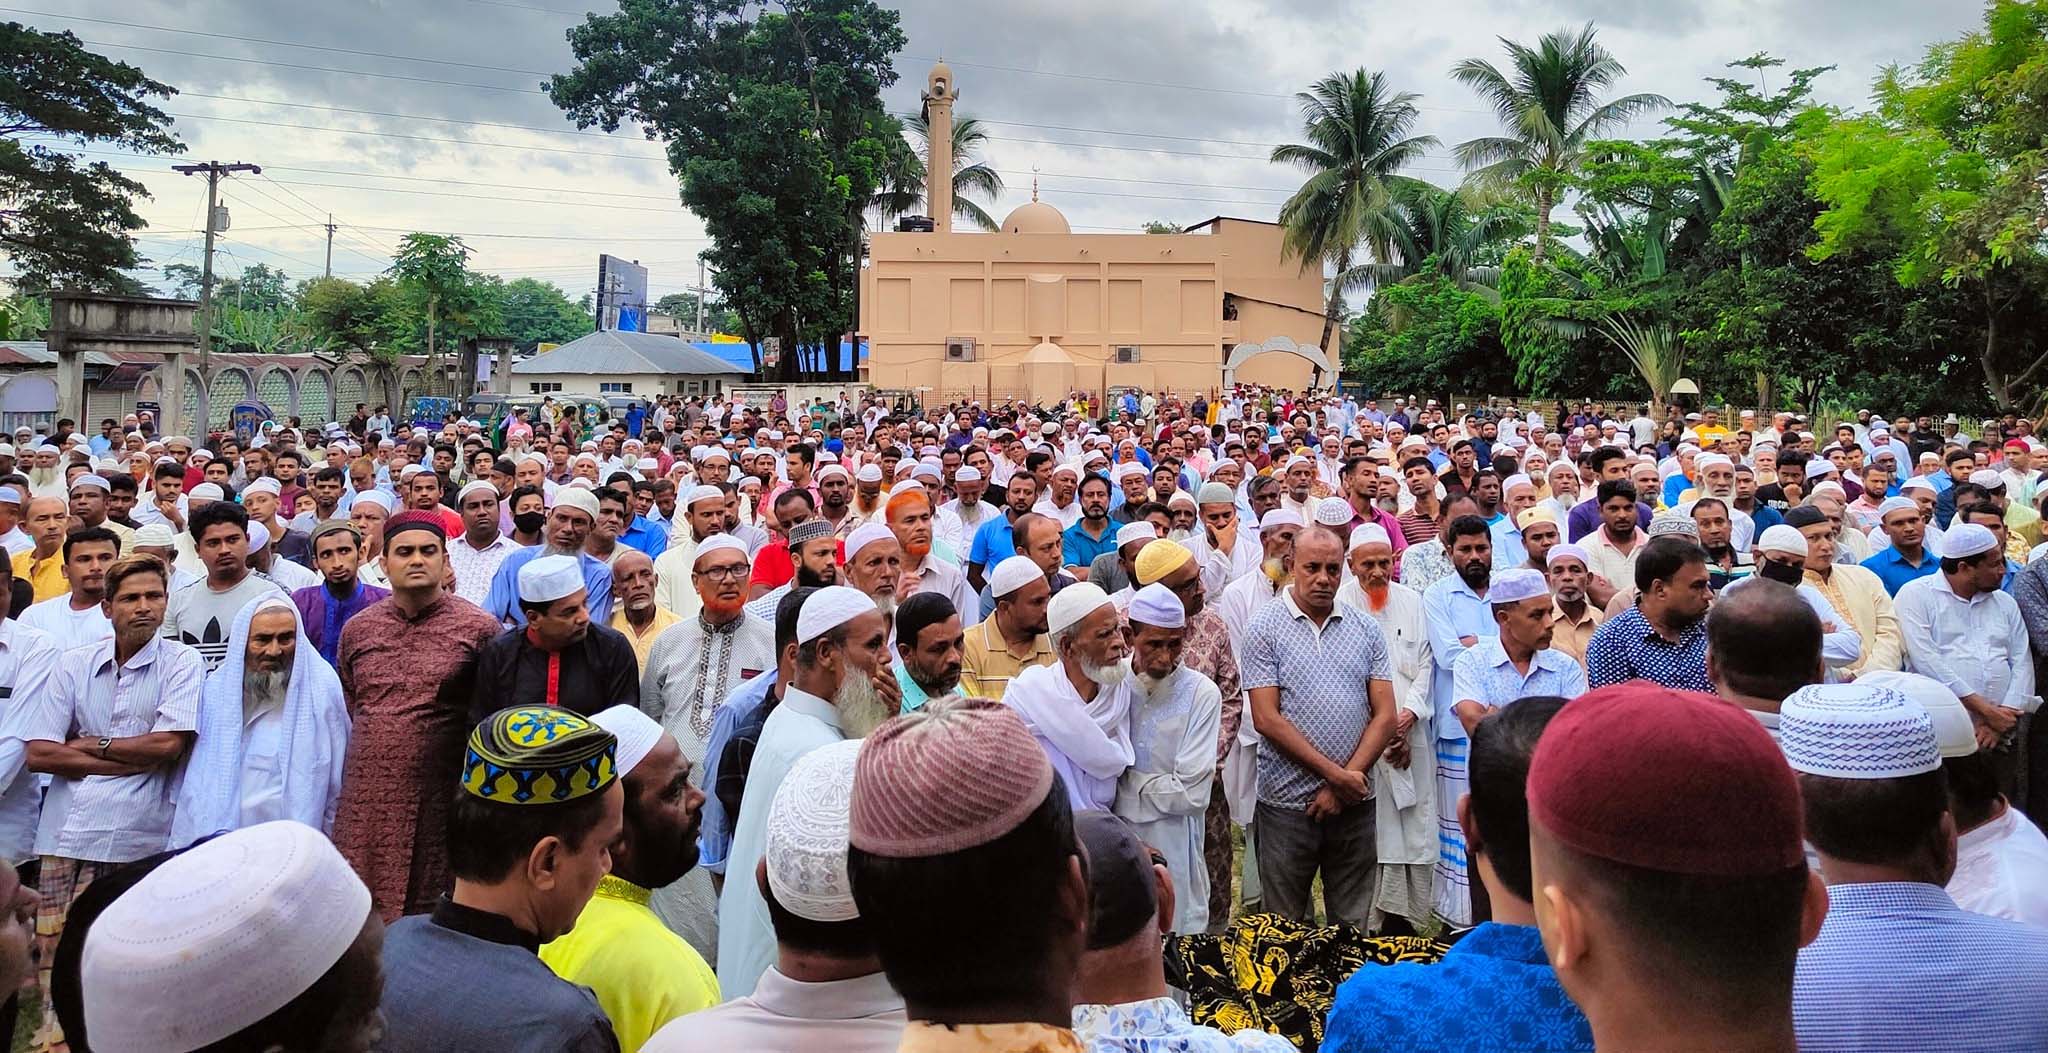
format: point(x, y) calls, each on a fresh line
point(1898, 966)
point(1627, 648)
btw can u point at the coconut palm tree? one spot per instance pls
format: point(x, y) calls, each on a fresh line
point(1446, 233)
point(902, 188)
point(1548, 102)
point(1358, 142)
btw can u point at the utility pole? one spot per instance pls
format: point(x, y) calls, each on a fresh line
point(329, 273)
point(214, 171)
point(700, 294)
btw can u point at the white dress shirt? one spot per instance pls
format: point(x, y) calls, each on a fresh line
point(1974, 646)
point(2002, 869)
point(27, 660)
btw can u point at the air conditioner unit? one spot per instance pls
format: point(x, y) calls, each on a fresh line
point(1127, 354)
point(960, 349)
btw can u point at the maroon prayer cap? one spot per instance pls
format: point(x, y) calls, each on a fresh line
point(945, 778)
point(415, 519)
point(1676, 781)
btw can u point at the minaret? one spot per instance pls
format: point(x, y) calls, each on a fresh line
point(939, 94)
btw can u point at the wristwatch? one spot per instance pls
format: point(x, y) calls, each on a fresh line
point(104, 743)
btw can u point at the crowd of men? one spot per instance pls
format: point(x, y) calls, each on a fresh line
point(855, 726)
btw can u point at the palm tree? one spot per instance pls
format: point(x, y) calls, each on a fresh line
point(1655, 350)
point(902, 187)
point(1549, 105)
point(1446, 233)
point(1358, 141)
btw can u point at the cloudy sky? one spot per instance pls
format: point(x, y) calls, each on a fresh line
point(399, 115)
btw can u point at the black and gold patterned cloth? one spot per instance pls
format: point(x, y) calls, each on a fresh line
point(1277, 975)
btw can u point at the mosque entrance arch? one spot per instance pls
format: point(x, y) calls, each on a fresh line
point(1245, 352)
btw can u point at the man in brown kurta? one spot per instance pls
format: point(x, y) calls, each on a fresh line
point(406, 666)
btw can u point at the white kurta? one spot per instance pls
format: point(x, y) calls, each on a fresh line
point(2002, 870)
point(1165, 793)
point(1404, 799)
point(1088, 741)
point(1220, 568)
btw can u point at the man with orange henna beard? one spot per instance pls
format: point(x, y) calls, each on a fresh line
point(909, 516)
point(1405, 826)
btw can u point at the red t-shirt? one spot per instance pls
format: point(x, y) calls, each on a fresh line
point(774, 568)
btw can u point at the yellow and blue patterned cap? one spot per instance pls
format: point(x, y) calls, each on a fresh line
point(538, 755)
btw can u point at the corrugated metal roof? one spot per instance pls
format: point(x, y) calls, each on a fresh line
point(617, 352)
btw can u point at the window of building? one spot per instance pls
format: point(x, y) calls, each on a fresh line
point(542, 387)
point(615, 387)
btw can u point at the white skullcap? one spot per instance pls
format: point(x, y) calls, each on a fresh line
point(717, 543)
point(864, 535)
point(1713, 460)
point(702, 492)
point(1012, 574)
point(1295, 460)
point(1515, 480)
point(1566, 550)
point(1333, 512)
point(154, 535)
point(1368, 534)
point(579, 499)
point(265, 485)
point(905, 467)
point(1856, 731)
point(1829, 487)
point(383, 499)
point(259, 536)
point(869, 473)
point(411, 470)
point(713, 453)
point(74, 437)
point(1181, 497)
point(1132, 468)
point(829, 608)
point(7, 449)
point(481, 486)
point(1896, 504)
point(208, 492)
point(1067, 467)
point(218, 938)
point(550, 578)
point(90, 479)
point(1818, 467)
point(1514, 586)
point(807, 835)
point(49, 448)
point(831, 470)
point(928, 470)
point(1954, 734)
point(1074, 603)
point(1987, 479)
point(1137, 530)
point(967, 474)
point(646, 464)
point(1154, 605)
point(1280, 517)
point(1782, 538)
point(9, 496)
point(1964, 540)
point(637, 733)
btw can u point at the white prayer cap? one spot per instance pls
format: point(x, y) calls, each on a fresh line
point(154, 535)
point(1074, 603)
point(1713, 460)
point(637, 733)
point(1179, 498)
point(1333, 512)
point(6, 449)
point(1294, 460)
point(383, 499)
point(1964, 540)
point(646, 464)
point(1368, 534)
point(1856, 731)
point(1954, 734)
point(905, 467)
point(579, 499)
point(550, 578)
point(1131, 468)
point(1781, 538)
point(831, 470)
point(1138, 530)
point(481, 486)
point(208, 492)
point(1514, 586)
point(1829, 487)
point(829, 608)
point(1280, 517)
point(264, 485)
point(219, 938)
point(807, 835)
point(869, 473)
point(1154, 605)
point(9, 496)
point(967, 474)
point(928, 470)
point(717, 543)
point(259, 536)
point(1818, 467)
point(713, 453)
point(90, 479)
point(864, 535)
point(1511, 482)
point(1566, 550)
point(702, 492)
point(1987, 479)
point(411, 470)
point(1067, 467)
point(1012, 574)
point(200, 454)
point(1897, 504)
point(75, 438)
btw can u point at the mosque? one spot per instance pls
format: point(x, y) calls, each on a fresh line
point(1037, 311)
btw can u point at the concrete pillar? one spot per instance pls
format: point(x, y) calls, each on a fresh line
point(939, 95)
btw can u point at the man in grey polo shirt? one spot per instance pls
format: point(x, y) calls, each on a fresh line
point(1322, 694)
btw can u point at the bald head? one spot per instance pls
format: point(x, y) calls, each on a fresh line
point(44, 520)
point(633, 582)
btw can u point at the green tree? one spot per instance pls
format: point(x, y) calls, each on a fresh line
point(432, 272)
point(773, 121)
point(24, 317)
point(1549, 105)
point(902, 191)
point(718, 318)
point(1448, 233)
point(1449, 341)
point(534, 311)
point(65, 221)
point(1357, 130)
point(1160, 226)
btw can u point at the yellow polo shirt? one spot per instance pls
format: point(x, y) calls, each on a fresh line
point(643, 645)
point(643, 975)
point(47, 576)
point(986, 664)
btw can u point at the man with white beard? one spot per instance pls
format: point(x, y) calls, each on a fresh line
point(1249, 594)
point(874, 565)
point(1176, 715)
point(273, 730)
point(1079, 708)
point(843, 687)
point(1404, 778)
point(45, 477)
point(1717, 479)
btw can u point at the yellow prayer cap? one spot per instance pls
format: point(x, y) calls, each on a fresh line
point(1161, 558)
point(1535, 514)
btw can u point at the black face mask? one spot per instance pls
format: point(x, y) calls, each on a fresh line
point(529, 522)
point(1782, 573)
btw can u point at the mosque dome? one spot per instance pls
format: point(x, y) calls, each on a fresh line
point(1035, 217)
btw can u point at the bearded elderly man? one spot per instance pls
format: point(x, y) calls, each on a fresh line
point(1404, 778)
point(634, 613)
point(1175, 716)
point(874, 565)
point(908, 515)
point(842, 688)
point(562, 657)
point(1079, 708)
point(273, 732)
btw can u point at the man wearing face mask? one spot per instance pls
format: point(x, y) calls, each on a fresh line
point(1781, 557)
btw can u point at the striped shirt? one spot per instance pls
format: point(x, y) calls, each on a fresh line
point(113, 818)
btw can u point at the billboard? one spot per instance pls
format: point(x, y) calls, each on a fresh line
point(621, 294)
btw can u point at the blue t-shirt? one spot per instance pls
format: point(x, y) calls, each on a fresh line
point(994, 542)
point(1077, 549)
point(1493, 990)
